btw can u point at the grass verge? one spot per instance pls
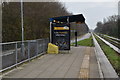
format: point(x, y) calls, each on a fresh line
point(112, 55)
point(86, 42)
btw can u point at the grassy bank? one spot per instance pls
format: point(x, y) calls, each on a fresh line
point(112, 55)
point(86, 42)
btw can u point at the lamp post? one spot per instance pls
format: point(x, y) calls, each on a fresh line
point(22, 27)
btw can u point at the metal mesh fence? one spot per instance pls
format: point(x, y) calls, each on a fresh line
point(17, 52)
point(8, 55)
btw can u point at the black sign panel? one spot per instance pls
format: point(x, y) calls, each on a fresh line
point(61, 35)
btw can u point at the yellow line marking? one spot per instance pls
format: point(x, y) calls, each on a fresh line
point(85, 63)
point(84, 71)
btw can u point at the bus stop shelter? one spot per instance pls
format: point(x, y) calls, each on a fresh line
point(71, 18)
point(60, 30)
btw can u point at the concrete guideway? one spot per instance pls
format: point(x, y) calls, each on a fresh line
point(79, 63)
point(112, 37)
point(113, 41)
point(106, 68)
point(109, 44)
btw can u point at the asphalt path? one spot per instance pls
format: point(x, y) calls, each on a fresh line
point(82, 38)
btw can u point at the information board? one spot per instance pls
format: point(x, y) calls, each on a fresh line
point(60, 34)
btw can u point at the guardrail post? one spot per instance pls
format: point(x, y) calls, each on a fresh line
point(29, 50)
point(43, 44)
point(22, 49)
point(16, 57)
point(37, 47)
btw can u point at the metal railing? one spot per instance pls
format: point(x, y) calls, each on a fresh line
point(12, 53)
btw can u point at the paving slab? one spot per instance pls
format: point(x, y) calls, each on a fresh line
point(94, 71)
point(67, 65)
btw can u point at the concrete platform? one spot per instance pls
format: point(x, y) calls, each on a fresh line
point(81, 62)
point(107, 69)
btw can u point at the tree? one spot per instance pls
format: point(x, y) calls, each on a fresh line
point(36, 19)
point(109, 26)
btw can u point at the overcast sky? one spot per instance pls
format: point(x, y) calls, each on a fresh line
point(93, 11)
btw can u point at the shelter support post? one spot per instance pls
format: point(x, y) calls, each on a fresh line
point(50, 32)
point(75, 38)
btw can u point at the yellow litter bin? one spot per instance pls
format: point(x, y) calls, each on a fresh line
point(52, 49)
